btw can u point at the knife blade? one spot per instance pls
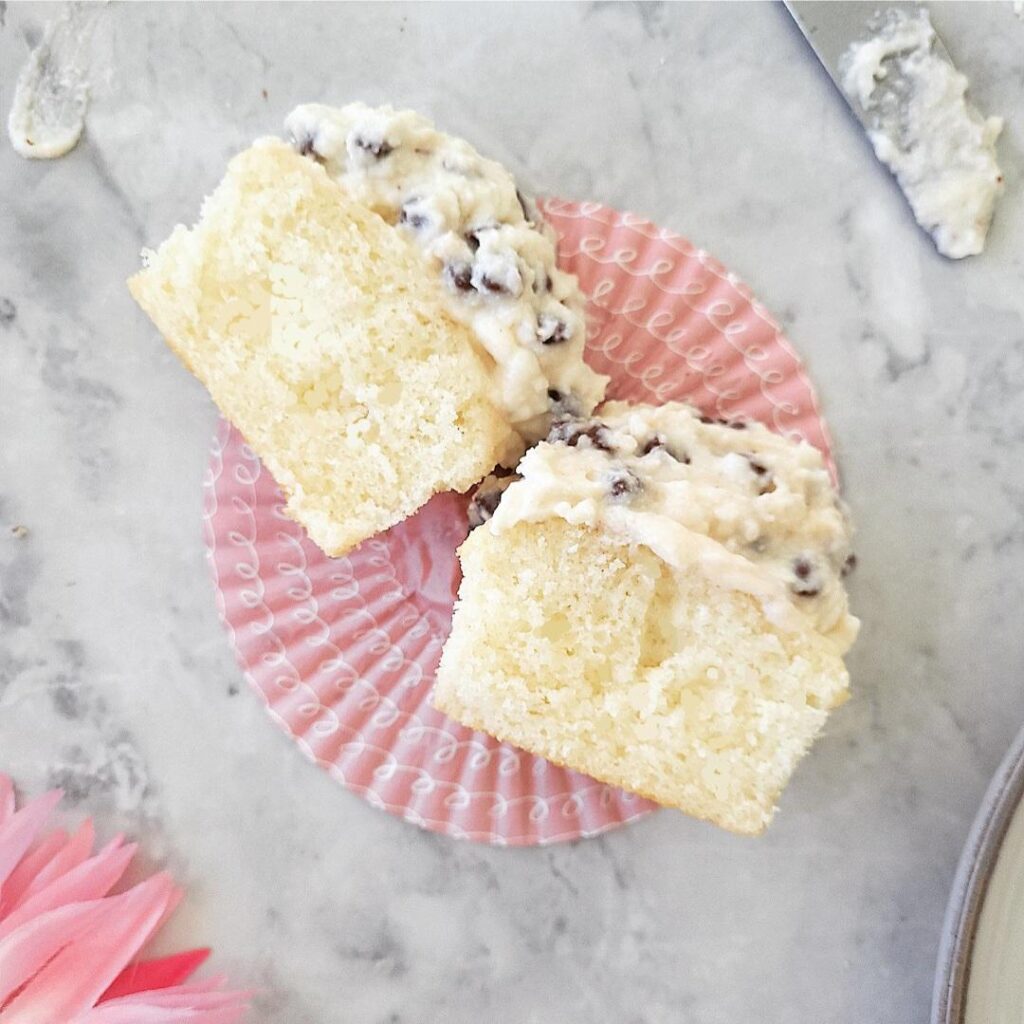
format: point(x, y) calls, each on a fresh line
point(832, 26)
point(899, 81)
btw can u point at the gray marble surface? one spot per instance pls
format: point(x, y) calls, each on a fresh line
point(117, 682)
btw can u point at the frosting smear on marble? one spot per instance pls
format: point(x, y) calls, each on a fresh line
point(52, 93)
point(755, 511)
point(493, 253)
point(940, 148)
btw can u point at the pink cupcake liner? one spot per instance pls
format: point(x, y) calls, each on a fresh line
point(343, 650)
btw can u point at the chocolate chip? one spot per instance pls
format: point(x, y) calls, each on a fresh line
point(459, 277)
point(849, 565)
point(551, 330)
point(472, 237)
point(596, 434)
point(659, 444)
point(305, 144)
point(524, 206)
point(563, 406)
point(378, 148)
point(497, 274)
point(571, 432)
point(493, 286)
point(806, 585)
point(763, 473)
point(415, 219)
point(562, 430)
point(623, 484)
point(735, 424)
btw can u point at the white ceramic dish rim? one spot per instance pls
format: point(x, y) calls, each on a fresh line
point(977, 862)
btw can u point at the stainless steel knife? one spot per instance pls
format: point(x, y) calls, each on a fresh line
point(831, 26)
point(898, 79)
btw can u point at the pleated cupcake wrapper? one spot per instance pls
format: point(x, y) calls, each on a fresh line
point(344, 650)
point(668, 322)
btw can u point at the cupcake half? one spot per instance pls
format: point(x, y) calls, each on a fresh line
point(377, 310)
point(657, 602)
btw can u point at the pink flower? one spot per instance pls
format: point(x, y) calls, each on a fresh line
point(67, 943)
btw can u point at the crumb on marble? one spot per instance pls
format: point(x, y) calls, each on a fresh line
point(19, 531)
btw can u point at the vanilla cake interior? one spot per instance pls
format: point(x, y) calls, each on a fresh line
point(321, 334)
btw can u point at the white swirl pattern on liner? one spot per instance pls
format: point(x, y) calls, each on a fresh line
point(344, 654)
point(588, 245)
point(388, 766)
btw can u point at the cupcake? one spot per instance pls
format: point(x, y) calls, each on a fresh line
point(657, 601)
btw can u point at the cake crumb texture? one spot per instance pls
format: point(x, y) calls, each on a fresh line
point(599, 656)
point(319, 333)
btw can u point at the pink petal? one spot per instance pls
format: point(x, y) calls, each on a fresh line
point(74, 979)
point(198, 1003)
point(6, 797)
point(29, 867)
point(197, 994)
point(68, 858)
point(176, 994)
point(111, 1013)
point(154, 974)
point(25, 952)
point(92, 879)
point(18, 831)
point(131, 1015)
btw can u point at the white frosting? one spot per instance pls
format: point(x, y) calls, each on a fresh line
point(756, 512)
point(48, 113)
point(938, 145)
point(494, 253)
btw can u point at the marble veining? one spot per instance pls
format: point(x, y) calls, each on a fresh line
point(117, 683)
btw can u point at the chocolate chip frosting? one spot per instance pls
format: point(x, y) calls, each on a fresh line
point(755, 511)
point(493, 253)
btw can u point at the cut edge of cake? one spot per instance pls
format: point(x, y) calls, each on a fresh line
point(478, 690)
point(264, 389)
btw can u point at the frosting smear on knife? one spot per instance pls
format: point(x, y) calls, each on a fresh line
point(941, 149)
